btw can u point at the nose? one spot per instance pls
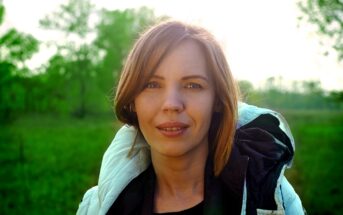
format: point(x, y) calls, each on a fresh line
point(173, 101)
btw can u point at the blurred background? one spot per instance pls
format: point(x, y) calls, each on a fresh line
point(60, 60)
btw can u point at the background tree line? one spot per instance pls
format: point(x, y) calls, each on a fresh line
point(78, 79)
point(303, 95)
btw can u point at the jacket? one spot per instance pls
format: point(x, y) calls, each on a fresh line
point(263, 149)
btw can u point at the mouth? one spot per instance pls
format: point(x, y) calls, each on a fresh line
point(172, 129)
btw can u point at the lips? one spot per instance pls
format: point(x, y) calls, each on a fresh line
point(172, 129)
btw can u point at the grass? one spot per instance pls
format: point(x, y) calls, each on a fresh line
point(48, 162)
point(317, 172)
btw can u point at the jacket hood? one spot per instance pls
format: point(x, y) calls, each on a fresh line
point(268, 120)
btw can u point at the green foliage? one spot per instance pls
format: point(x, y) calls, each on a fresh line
point(2, 12)
point(116, 32)
point(12, 92)
point(327, 16)
point(71, 18)
point(75, 61)
point(246, 88)
point(85, 69)
point(48, 162)
point(79, 77)
point(337, 96)
point(303, 95)
point(15, 48)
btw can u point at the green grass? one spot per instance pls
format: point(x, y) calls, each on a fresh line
point(48, 162)
point(317, 172)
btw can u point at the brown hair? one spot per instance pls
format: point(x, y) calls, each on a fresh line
point(145, 56)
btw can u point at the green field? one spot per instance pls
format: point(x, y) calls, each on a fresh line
point(48, 162)
point(317, 173)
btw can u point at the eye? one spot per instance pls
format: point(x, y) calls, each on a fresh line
point(152, 85)
point(192, 85)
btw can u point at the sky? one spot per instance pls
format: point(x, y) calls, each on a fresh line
point(260, 38)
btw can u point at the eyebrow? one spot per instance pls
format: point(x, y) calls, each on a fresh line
point(185, 77)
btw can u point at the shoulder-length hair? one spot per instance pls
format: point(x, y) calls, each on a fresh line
point(146, 55)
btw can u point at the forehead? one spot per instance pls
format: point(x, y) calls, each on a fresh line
point(187, 58)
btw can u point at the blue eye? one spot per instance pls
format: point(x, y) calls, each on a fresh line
point(193, 86)
point(152, 84)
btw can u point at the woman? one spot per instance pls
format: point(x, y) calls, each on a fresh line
point(183, 150)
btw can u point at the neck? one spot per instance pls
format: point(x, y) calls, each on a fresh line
point(180, 181)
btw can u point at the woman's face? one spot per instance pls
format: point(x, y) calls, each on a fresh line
point(174, 109)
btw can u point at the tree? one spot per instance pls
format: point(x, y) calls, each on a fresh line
point(117, 31)
point(15, 49)
point(72, 18)
point(327, 15)
point(80, 56)
point(91, 66)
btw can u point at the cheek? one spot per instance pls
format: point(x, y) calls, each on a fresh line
point(204, 103)
point(145, 108)
point(202, 110)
